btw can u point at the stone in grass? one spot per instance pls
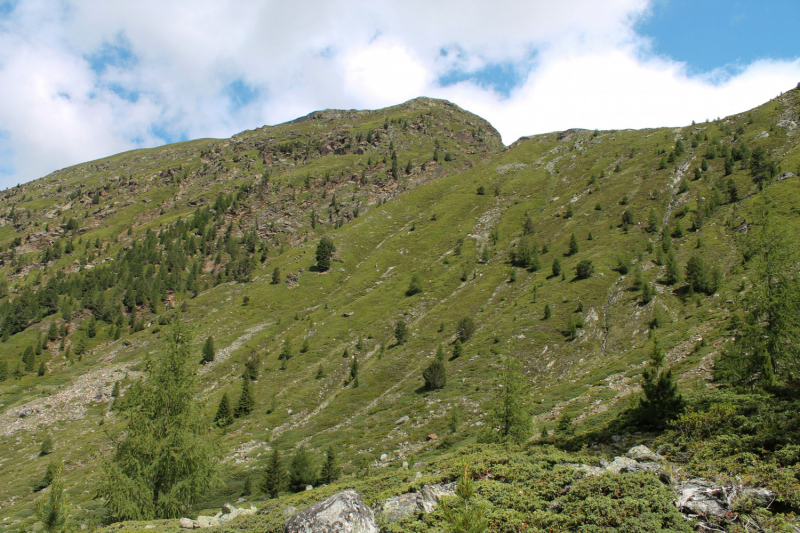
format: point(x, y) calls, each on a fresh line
point(344, 512)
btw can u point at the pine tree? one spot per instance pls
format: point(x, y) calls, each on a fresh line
point(458, 349)
point(465, 517)
point(286, 351)
point(47, 446)
point(29, 358)
point(330, 469)
point(556, 267)
point(401, 333)
point(570, 211)
point(465, 328)
point(306, 346)
point(573, 245)
point(52, 332)
point(547, 312)
point(165, 461)
point(52, 508)
point(414, 286)
point(435, 375)
point(224, 416)
point(510, 419)
point(42, 370)
point(325, 250)
point(302, 470)
point(274, 479)
point(661, 401)
point(246, 401)
point(276, 276)
point(91, 328)
point(208, 350)
point(673, 273)
point(354, 370)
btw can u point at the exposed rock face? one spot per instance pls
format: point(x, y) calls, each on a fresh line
point(344, 512)
point(408, 504)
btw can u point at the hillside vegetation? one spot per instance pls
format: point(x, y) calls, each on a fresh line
point(571, 253)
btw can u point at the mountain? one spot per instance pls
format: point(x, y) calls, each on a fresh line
point(98, 257)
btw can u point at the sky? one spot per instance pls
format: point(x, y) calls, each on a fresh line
point(84, 79)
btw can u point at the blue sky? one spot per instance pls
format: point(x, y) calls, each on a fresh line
point(83, 79)
point(717, 34)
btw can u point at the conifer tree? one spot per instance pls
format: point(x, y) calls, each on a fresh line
point(246, 401)
point(401, 333)
point(330, 469)
point(556, 267)
point(208, 350)
point(42, 370)
point(325, 250)
point(286, 351)
point(458, 349)
point(435, 375)
point(510, 419)
point(224, 416)
point(52, 509)
point(274, 479)
point(573, 245)
point(414, 286)
point(165, 461)
point(465, 328)
point(354, 371)
point(276, 276)
point(52, 331)
point(673, 272)
point(547, 312)
point(464, 516)
point(661, 401)
point(302, 470)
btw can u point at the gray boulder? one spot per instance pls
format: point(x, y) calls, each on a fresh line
point(589, 470)
point(620, 464)
point(344, 512)
point(643, 454)
point(425, 501)
point(188, 523)
point(702, 497)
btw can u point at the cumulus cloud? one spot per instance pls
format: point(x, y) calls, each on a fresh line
point(87, 79)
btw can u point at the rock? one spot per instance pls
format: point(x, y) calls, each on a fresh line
point(207, 521)
point(22, 413)
point(349, 314)
point(405, 505)
point(384, 457)
point(419, 465)
point(620, 463)
point(417, 475)
point(764, 497)
point(603, 462)
point(700, 496)
point(405, 465)
point(401, 420)
point(344, 512)
point(432, 436)
point(289, 511)
point(309, 487)
point(188, 523)
point(240, 500)
point(149, 526)
point(431, 494)
point(227, 508)
point(784, 176)
point(589, 470)
point(643, 454)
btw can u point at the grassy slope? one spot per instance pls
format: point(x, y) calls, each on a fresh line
point(578, 377)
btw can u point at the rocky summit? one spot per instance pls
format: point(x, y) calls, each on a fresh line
point(387, 320)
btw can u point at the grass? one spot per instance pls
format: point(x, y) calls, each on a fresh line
point(378, 254)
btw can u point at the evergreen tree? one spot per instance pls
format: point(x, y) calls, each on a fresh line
point(52, 332)
point(509, 416)
point(325, 250)
point(115, 391)
point(52, 509)
point(547, 312)
point(435, 375)
point(286, 351)
point(91, 328)
point(414, 286)
point(401, 333)
point(208, 350)
point(673, 273)
point(330, 469)
point(306, 345)
point(29, 358)
point(246, 401)
point(42, 370)
point(47, 446)
point(465, 517)
point(652, 222)
point(354, 371)
point(573, 245)
point(458, 349)
point(274, 479)
point(585, 269)
point(165, 461)
point(697, 276)
point(224, 416)
point(276, 276)
point(570, 211)
point(465, 328)
point(661, 401)
point(302, 470)
point(556, 267)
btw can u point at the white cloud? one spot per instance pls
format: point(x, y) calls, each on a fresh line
point(587, 68)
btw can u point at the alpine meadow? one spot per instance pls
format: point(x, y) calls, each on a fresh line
point(390, 315)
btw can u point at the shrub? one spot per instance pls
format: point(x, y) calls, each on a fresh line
point(465, 328)
point(414, 286)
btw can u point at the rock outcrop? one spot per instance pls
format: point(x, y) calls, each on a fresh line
point(344, 512)
point(399, 507)
point(228, 513)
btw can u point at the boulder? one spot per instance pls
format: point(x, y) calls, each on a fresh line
point(701, 497)
point(188, 523)
point(401, 420)
point(344, 512)
point(425, 501)
point(643, 454)
point(621, 463)
point(289, 511)
point(589, 470)
point(784, 176)
point(207, 521)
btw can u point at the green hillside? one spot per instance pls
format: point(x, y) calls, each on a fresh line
point(100, 257)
